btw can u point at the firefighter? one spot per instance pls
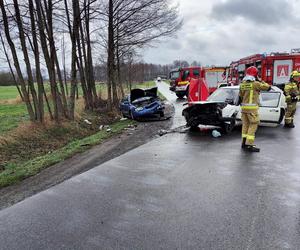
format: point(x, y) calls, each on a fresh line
point(291, 92)
point(249, 98)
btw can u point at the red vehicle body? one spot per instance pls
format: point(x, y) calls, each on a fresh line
point(198, 91)
point(274, 68)
point(182, 77)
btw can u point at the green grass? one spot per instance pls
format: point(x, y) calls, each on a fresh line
point(11, 92)
point(144, 85)
point(8, 92)
point(16, 172)
point(11, 116)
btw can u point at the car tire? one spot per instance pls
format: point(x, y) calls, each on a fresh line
point(180, 95)
point(227, 128)
point(282, 114)
point(161, 114)
point(194, 128)
point(131, 115)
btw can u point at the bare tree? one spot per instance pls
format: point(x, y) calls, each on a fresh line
point(10, 66)
point(16, 62)
point(135, 24)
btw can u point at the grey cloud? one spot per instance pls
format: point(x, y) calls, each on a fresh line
point(269, 12)
point(232, 34)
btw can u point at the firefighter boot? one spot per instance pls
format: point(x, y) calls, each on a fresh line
point(244, 143)
point(252, 148)
point(292, 124)
point(289, 125)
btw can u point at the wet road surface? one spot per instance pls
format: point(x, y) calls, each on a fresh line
point(178, 119)
point(180, 191)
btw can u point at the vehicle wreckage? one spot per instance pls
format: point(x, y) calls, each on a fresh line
point(222, 109)
point(142, 103)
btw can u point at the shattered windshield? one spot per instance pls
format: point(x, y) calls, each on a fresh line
point(224, 95)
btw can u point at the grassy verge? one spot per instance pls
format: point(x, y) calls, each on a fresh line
point(13, 111)
point(26, 148)
point(8, 92)
point(17, 171)
point(11, 116)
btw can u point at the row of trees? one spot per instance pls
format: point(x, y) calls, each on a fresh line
point(134, 72)
point(39, 35)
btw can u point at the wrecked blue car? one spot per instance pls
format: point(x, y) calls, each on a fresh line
point(142, 103)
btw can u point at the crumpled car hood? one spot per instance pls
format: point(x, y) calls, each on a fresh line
point(143, 93)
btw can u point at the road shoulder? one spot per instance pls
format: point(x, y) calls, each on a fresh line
point(109, 149)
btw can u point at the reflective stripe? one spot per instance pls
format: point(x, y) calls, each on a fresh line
point(248, 104)
point(251, 137)
point(249, 107)
point(244, 135)
point(251, 97)
point(288, 118)
point(246, 86)
point(183, 83)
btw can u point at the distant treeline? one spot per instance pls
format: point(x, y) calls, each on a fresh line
point(6, 79)
point(129, 73)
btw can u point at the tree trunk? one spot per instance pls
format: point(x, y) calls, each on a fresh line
point(111, 58)
point(16, 63)
point(90, 66)
point(39, 79)
point(10, 67)
point(75, 35)
point(50, 68)
point(27, 61)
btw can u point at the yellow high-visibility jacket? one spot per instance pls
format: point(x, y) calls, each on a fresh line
point(249, 93)
point(290, 88)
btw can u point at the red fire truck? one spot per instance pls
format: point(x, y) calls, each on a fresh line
point(181, 78)
point(274, 68)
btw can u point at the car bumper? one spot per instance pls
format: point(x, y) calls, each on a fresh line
point(148, 111)
point(195, 117)
point(181, 88)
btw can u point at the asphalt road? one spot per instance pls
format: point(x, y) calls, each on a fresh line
point(178, 119)
point(180, 191)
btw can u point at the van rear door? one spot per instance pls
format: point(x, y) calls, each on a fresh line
point(282, 71)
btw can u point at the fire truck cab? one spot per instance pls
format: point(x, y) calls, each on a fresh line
point(182, 77)
point(274, 68)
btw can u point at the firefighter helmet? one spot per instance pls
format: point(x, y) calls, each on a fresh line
point(294, 74)
point(252, 71)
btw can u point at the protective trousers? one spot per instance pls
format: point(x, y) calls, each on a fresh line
point(250, 122)
point(290, 113)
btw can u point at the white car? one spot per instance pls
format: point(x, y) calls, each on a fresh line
point(221, 109)
point(159, 79)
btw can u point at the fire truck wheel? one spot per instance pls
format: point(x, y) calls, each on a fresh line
point(187, 92)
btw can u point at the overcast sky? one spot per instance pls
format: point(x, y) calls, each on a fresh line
point(220, 31)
